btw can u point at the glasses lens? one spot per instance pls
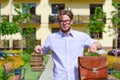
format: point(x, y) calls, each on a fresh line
point(65, 21)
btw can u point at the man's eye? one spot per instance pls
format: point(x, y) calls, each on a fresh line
point(65, 21)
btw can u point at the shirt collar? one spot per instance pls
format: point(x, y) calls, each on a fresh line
point(63, 35)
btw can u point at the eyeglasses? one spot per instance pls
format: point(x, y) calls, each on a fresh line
point(65, 21)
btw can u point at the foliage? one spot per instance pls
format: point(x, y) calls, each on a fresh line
point(26, 57)
point(13, 51)
point(93, 54)
point(15, 58)
point(116, 74)
point(17, 61)
point(96, 25)
point(115, 21)
point(2, 61)
point(28, 32)
point(31, 41)
point(7, 27)
point(111, 60)
point(1, 73)
point(21, 17)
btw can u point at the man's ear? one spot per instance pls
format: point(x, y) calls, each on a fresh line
point(71, 22)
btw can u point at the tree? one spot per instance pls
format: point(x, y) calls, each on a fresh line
point(115, 21)
point(30, 41)
point(21, 18)
point(9, 28)
point(96, 25)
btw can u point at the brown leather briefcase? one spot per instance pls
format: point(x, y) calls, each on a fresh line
point(93, 67)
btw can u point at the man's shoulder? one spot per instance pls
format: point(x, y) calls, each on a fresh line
point(53, 34)
point(78, 32)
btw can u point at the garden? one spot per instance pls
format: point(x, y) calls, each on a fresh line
point(23, 60)
point(20, 60)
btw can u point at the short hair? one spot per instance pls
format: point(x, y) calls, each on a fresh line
point(65, 12)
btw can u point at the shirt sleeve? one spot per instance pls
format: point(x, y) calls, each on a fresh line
point(89, 41)
point(46, 47)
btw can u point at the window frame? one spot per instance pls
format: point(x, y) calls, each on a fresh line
point(57, 7)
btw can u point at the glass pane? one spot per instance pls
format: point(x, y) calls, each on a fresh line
point(57, 7)
point(32, 9)
point(55, 30)
point(92, 9)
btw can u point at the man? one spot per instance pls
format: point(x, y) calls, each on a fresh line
point(66, 45)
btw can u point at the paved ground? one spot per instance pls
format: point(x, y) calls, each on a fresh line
point(47, 73)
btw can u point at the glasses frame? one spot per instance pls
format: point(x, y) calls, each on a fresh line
point(65, 21)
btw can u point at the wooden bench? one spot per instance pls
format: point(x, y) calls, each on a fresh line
point(11, 73)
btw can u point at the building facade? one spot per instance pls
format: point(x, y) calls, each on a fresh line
point(45, 12)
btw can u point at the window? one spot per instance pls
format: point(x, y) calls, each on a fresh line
point(32, 9)
point(92, 9)
point(34, 18)
point(57, 7)
point(96, 36)
point(55, 30)
point(16, 44)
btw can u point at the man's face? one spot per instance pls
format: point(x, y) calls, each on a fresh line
point(65, 24)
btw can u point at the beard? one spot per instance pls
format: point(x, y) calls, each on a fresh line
point(65, 30)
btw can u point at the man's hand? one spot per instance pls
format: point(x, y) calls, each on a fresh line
point(92, 48)
point(38, 49)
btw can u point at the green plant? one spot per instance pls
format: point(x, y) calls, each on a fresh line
point(8, 28)
point(31, 41)
point(115, 21)
point(22, 16)
point(15, 52)
point(1, 73)
point(115, 14)
point(93, 54)
point(26, 57)
point(116, 74)
point(96, 25)
point(28, 32)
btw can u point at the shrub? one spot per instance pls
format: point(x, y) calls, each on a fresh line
point(1, 73)
point(26, 57)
